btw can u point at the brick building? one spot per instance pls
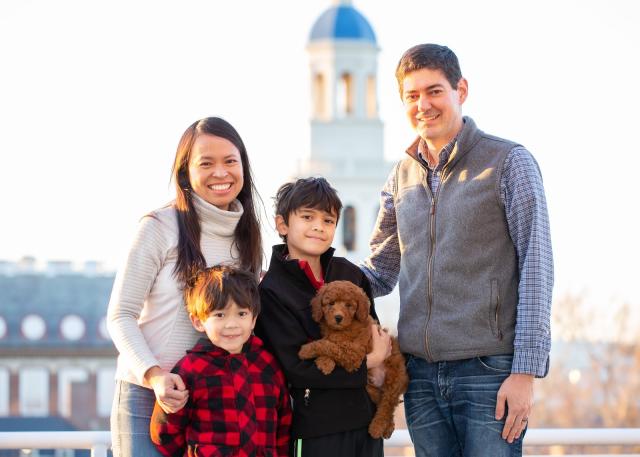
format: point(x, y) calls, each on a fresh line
point(56, 358)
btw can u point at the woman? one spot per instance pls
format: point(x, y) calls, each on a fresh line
point(213, 220)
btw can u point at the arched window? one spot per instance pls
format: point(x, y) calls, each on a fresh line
point(372, 101)
point(345, 95)
point(319, 105)
point(349, 228)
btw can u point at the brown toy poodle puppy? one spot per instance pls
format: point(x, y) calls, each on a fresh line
point(342, 310)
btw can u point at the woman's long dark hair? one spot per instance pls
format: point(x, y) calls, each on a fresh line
point(247, 233)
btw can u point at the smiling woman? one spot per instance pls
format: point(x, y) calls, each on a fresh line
point(213, 220)
point(215, 170)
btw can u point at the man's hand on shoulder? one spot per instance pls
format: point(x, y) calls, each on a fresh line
point(516, 397)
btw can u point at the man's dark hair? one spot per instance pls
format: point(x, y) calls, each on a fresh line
point(312, 192)
point(433, 57)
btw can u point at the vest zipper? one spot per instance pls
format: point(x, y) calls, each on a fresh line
point(498, 315)
point(307, 394)
point(432, 229)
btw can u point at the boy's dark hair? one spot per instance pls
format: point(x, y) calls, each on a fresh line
point(312, 192)
point(432, 56)
point(212, 288)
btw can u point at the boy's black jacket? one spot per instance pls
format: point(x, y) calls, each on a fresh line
point(337, 402)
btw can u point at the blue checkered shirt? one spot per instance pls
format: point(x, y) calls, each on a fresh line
point(525, 206)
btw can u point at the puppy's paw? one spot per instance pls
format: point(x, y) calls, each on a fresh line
point(325, 364)
point(306, 351)
point(376, 429)
point(388, 431)
point(379, 428)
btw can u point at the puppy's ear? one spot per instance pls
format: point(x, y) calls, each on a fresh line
point(316, 305)
point(362, 313)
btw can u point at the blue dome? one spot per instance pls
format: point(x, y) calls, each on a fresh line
point(342, 22)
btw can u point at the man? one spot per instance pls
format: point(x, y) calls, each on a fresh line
point(463, 224)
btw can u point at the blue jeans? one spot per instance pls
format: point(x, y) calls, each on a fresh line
point(130, 418)
point(450, 407)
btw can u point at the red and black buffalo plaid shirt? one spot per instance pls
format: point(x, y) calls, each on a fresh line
point(238, 405)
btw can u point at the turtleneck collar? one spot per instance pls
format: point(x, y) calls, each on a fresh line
point(216, 221)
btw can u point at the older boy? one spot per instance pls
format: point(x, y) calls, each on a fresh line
point(331, 413)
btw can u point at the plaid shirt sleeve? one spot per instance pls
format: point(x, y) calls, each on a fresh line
point(382, 267)
point(168, 431)
point(284, 416)
point(525, 206)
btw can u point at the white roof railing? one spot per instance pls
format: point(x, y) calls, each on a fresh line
point(100, 441)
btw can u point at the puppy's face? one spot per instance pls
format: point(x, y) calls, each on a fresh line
point(339, 303)
point(338, 314)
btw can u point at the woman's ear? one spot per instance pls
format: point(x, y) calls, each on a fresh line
point(316, 305)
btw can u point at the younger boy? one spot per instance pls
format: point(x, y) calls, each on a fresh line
point(238, 401)
point(331, 413)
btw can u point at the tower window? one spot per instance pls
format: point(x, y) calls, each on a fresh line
point(372, 101)
point(319, 105)
point(349, 228)
point(345, 95)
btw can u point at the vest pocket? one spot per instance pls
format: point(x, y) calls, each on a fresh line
point(494, 317)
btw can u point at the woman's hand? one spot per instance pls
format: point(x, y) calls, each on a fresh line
point(171, 393)
point(381, 342)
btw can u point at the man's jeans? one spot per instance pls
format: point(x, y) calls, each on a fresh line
point(450, 407)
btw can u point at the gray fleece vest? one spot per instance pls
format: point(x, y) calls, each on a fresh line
point(459, 268)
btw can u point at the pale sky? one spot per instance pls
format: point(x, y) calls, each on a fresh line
point(94, 96)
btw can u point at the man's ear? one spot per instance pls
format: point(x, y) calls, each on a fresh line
point(281, 225)
point(463, 90)
point(197, 323)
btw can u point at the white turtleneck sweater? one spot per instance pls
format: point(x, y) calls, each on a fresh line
point(147, 318)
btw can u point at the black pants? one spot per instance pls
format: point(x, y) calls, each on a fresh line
point(354, 443)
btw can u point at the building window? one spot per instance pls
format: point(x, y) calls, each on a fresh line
point(345, 95)
point(3, 327)
point(69, 378)
point(372, 101)
point(319, 104)
point(72, 327)
point(349, 228)
point(4, 392)
point(34, 392)
point(104, 391)
point(33, 327)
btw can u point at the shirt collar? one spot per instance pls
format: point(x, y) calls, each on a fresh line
point(316, 282)
point(204, 345)
point(419, 150)
point(443, 157)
